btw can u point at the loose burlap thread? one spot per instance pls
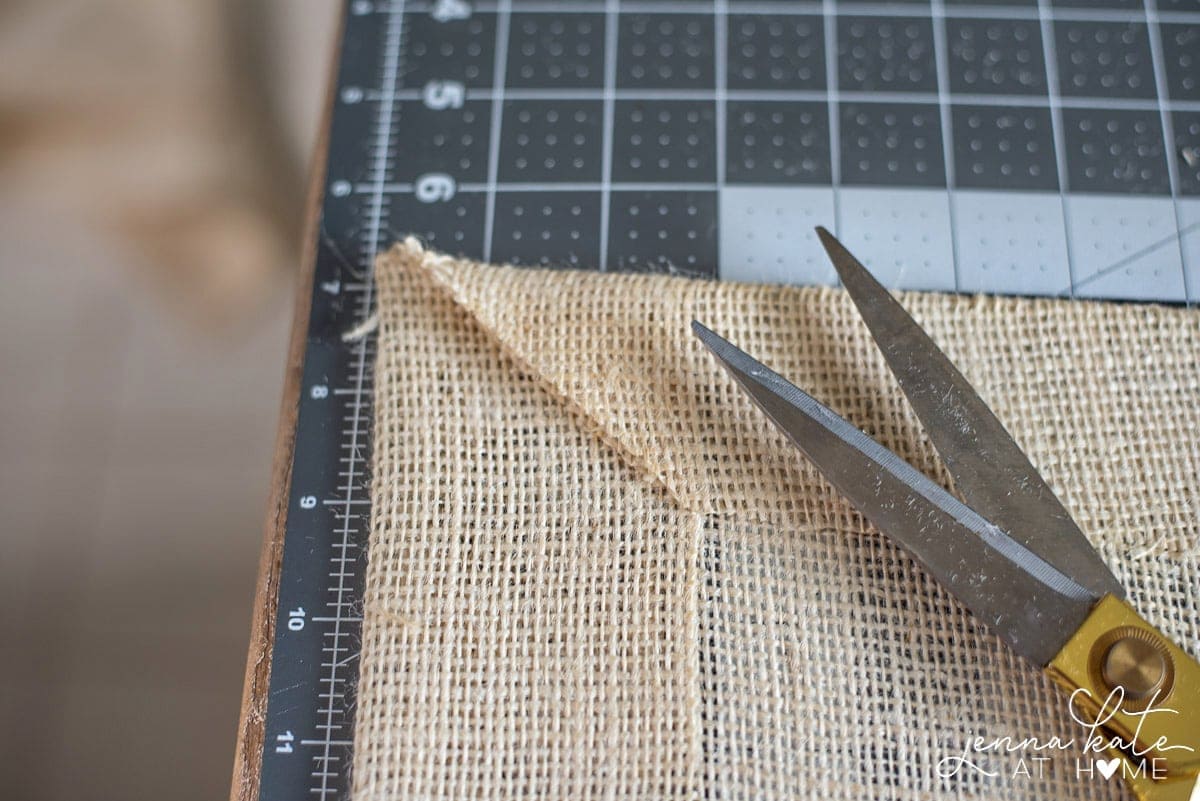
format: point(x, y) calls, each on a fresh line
point(596, 571)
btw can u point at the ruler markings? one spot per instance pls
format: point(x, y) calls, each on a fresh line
point(390, 72)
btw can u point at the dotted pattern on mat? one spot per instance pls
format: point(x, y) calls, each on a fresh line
point(1187, 134)
point(450, 141)
point(886, 54)
point(664, 232)
point(1004, 146)
point(546, 229)
point(1115, 151)
point(450, 228)
point(996, 56)
point(455, 50)
point(1181, 56)
point(693, 102)
point(556, 50)
point(776, 52)
point(666, 50)
point(886, 143)
point(551, 141)
point(670, 141)
point(1104, 59)
point(772, 143)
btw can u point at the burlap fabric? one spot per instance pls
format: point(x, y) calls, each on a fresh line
point(596, 571)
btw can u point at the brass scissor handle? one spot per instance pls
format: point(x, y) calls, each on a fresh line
point(1144, 691)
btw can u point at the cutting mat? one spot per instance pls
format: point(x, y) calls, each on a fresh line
point(1016, 147)
point(1020, 148)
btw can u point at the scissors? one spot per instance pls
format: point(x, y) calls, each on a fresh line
point(1008, 550)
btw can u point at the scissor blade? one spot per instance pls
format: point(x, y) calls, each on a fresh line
point(1026, 600)
point(991, 472)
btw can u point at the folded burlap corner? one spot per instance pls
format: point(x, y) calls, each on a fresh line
point(596, 570)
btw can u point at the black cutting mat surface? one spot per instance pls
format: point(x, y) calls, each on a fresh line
point(611, 109)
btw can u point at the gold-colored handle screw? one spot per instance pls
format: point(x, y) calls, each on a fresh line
point(1138, 666)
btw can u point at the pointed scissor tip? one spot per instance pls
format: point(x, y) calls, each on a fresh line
point(829, 241)
point(718, 346)
point(705, 335)
point(848, 268)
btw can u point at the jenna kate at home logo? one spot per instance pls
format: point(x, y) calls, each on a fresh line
point(1033, 757)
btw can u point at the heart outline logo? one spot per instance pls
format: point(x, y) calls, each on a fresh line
point(1108, 767)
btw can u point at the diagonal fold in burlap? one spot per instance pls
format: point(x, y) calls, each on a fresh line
point(596, 570)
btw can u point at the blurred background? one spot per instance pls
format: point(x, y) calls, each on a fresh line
point(153, 162)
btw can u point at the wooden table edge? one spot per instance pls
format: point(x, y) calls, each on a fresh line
point(247, 760)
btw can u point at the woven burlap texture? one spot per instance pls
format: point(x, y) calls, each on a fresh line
point(597, 571)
